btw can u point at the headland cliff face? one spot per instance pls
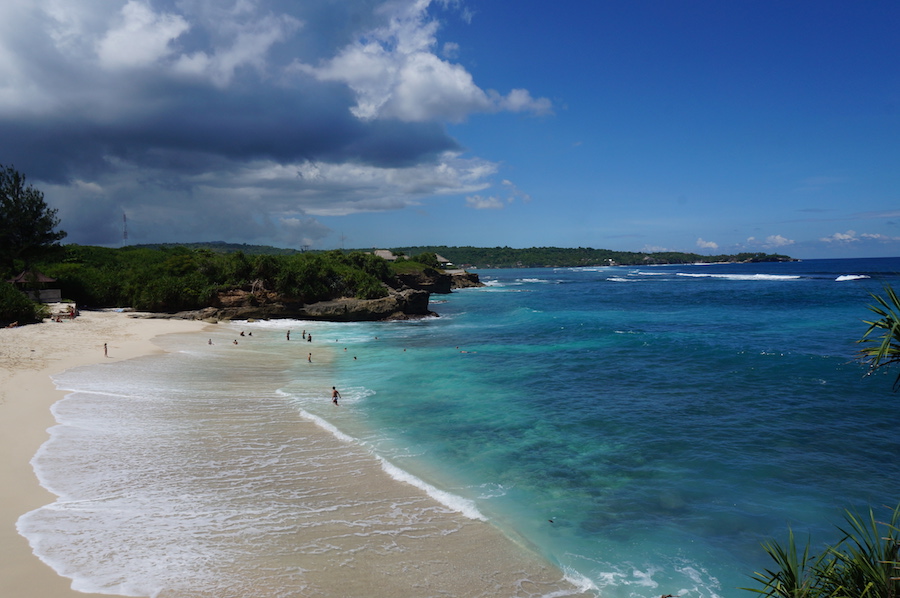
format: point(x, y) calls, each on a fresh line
point(408, 298)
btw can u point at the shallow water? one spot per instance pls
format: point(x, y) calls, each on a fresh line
point(644, 429)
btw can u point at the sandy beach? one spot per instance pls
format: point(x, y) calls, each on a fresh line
point(452, 552)
point(29, 355)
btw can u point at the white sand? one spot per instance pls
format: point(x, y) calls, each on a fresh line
point(29, 355)
point(472, 561)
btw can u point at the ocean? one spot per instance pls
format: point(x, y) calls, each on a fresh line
point(641, 430)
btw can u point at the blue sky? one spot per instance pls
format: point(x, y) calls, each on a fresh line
point(712, 127)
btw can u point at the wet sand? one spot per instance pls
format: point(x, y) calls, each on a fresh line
point(29, 355)
point(444, 553)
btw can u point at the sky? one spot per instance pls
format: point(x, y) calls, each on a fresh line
point(713, 127)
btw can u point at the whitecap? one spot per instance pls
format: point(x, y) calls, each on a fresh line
point(741, 276)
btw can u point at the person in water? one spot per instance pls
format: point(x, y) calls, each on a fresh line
point(335, 395)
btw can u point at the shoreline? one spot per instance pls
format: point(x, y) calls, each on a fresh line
point(29, 356)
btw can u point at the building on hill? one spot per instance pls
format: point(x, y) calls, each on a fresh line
point(386, 254)
point(34, 284)
point(444, 262)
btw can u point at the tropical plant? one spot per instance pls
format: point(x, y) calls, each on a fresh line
point(881, 342)
point(793, 577)
point(864, 563)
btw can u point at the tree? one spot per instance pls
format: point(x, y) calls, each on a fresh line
point(884, 348)
point(27, 224)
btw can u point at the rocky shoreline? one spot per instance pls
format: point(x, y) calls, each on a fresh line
point(410, 300)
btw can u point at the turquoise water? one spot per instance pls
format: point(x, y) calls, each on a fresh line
point(645, 429)
point(666, 419)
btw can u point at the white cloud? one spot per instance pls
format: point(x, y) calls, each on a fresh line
point(778, 241)
point(395, 75)
point(451, 50)
point(847, 237)
point(707, 244)
point(520, 100)
point(879, 237)
point(240, 38)
point(484, 203)
point(514, 192)
point(140, 37)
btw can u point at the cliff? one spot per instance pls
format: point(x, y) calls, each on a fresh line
point(408, 301)
point(406, 304)
point(442, 283)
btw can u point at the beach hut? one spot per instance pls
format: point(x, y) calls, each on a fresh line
point(444, 262)
point(35, 285)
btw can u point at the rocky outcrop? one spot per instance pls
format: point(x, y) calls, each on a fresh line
point(440, 282)
point(465, 280)
point(427, 280)
point(241, 305)
point(408, 302)
point(403, 305)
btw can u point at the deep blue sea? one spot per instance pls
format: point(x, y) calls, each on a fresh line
point(643, 428)
point(667, 419)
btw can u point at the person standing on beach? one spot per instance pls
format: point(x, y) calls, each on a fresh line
point(335, 395)
point(105, 351)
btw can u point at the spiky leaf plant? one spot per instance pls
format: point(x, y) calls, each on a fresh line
point(881, 342)
point(865, 563)
point(794, 575)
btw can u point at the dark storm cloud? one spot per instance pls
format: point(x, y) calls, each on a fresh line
point(189, 135)
point(237, 120)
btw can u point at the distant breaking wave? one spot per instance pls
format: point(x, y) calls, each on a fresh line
point(845, 277)
point(742, 276)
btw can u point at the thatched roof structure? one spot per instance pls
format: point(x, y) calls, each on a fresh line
point(31, 276)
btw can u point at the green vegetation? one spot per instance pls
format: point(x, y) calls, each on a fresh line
point(884, 348)
point(27, 225)
point(558, 257)
point(170, 277)
point(15, 306)
point(223, 247)
point(864, 563)
point(176, 278)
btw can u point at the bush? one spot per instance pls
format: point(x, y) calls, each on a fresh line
point(15, 306)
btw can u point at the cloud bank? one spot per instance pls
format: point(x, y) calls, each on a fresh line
point(242, 120)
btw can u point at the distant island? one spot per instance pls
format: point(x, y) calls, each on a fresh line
point(509, 257)
point(560, 257)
